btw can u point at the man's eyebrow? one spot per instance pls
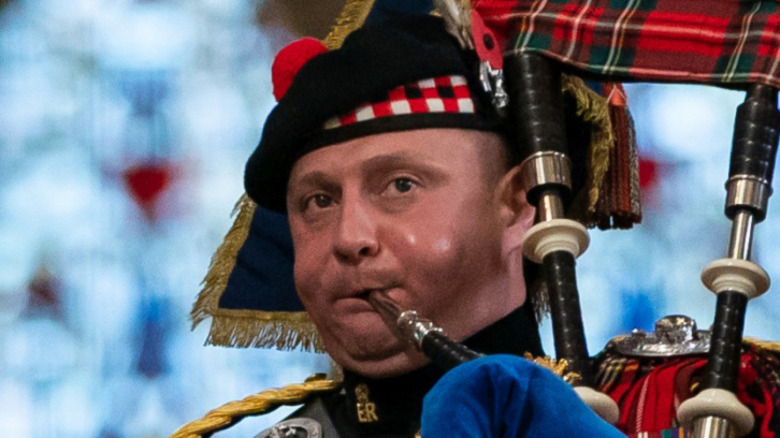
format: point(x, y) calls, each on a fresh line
point(312, 179)
point(394, 160)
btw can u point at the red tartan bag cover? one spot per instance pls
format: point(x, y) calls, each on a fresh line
point(649, 390)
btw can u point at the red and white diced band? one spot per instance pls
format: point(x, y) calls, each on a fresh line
point(443, 94)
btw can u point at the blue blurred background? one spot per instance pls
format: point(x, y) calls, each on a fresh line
point(124, 127)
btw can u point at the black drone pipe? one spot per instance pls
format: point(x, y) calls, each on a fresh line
point(715, 411)
point(752, 159)
point(537, 117)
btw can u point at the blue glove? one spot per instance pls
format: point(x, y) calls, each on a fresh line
point(503, 396)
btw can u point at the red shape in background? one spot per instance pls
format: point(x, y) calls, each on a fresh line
point(146, 183)
point(648, 173)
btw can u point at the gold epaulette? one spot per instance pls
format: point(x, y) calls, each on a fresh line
point(256, 404)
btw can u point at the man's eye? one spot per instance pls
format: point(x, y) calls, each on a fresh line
point(403, 185)
point(320, 201)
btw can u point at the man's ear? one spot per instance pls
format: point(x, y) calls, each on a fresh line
point(514, 205)
point(518, 217)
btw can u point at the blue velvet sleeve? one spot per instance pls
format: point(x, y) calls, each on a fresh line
point(503, 396)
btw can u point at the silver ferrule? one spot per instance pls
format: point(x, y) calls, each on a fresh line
point(408, 323)
point(546, 167)
point(741, 241)
point(748, 191)
point(415, 328)
point(713, 427)
point(550, 207)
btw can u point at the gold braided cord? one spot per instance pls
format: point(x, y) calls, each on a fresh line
point(351, 17)
point(256, 404)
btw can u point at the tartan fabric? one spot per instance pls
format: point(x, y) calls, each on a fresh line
point(649, 390)
point(666, 433)
point(444, 94)
point(709, 41)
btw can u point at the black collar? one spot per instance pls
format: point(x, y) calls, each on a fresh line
point(393, 405)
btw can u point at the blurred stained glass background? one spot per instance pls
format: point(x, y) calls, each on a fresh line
point(124, 127)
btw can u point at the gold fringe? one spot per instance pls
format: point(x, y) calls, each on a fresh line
point(254, 328)
point(351, 17)
point(247, 328)
point(594, 109)
point(257, 404)
point(222, 262)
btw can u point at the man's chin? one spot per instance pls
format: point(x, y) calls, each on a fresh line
point(386, 366)
point(375, 356)
point(363, 343)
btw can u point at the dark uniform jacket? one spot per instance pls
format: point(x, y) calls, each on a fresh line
point(391, 407)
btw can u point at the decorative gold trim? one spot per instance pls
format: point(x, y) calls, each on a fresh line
point(254, 328)
point(364, 407)
point(352, 16)
point(256, 404)
point(222, 262)
point(247, 328)
point(557, 366)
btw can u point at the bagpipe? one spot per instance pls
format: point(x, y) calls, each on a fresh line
point(658, 41)
point(535, 55)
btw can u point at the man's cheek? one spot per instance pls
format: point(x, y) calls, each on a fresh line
point(306, 282)
point(441, 247)
point(436, 250)
point(309, 255)
point(421, 237)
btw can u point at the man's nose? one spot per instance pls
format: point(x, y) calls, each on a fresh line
point(356, 236)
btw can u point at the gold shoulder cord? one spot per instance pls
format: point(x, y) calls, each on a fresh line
point(351, 17)
point(257, 404)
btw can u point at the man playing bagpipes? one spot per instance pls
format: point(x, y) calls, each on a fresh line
point(408, 167)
